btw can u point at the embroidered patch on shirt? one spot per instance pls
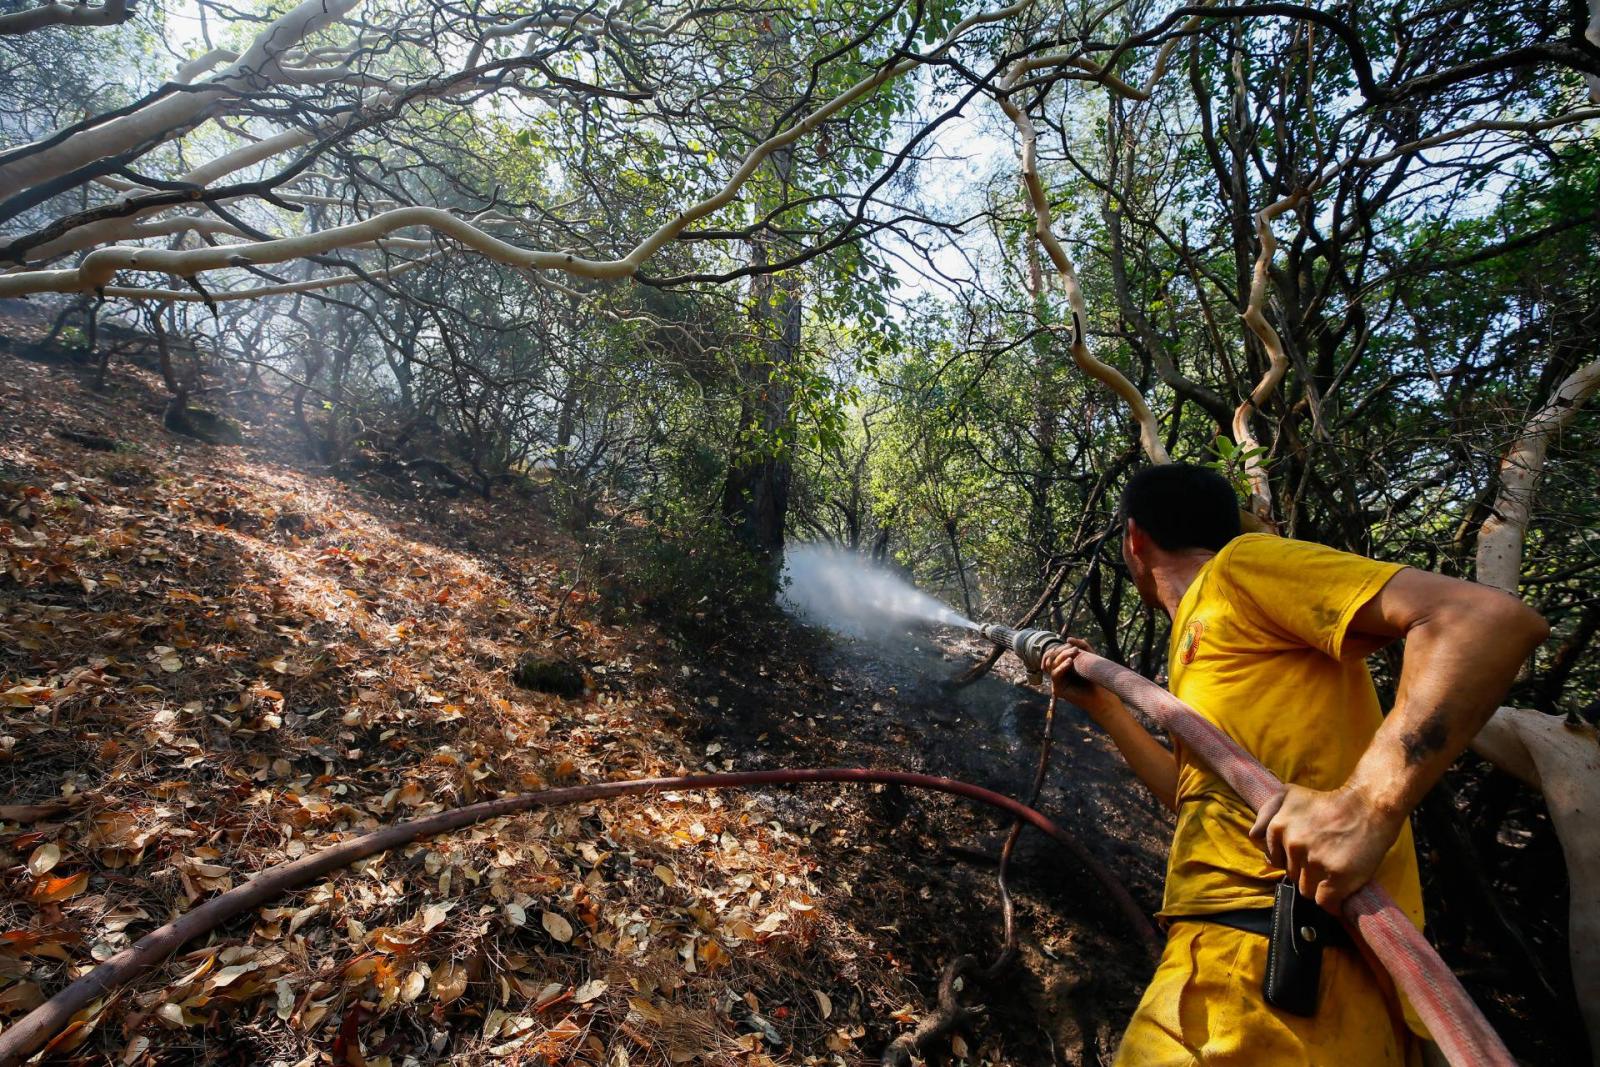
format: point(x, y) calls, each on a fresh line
point(1191, 642)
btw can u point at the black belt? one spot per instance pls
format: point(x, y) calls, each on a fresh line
point(1325, 928)
point(1297, 931)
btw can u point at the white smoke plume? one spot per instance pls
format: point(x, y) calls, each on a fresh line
point(844, 591)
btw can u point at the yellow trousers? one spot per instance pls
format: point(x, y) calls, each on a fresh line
point(1204, 1006)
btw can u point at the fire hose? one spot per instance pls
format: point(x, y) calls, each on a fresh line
point(37, 1027)
point(1457, 1026)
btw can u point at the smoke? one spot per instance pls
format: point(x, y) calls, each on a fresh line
point(843, 591)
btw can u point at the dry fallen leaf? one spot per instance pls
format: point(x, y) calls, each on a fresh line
point(664, 873)
point(824, 1005)
point(226, 975)
point(589, 991)
point(556, 926)
point(43, 859)
point(449, 982)
point(54, 889)
point(285, 1005)
point(20, 997)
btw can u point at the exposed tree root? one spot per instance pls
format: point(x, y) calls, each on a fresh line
point(950, 1014)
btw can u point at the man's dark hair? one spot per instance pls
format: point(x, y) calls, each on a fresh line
point(1181, 506)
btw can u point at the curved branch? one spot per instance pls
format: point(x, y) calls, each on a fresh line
point(1501, 539)
point(1107, 375)
point(129, 292)
point(111, 13)
point(1254, 316)
point(170, 114)
point(98, 268)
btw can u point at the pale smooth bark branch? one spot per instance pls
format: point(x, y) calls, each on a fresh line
point(109, 222)
point(1149, 429)
point(100, 266)
point(1557, 757)
point(119, 229)
point(169, 115)
point(1591, 34)
point(110, 13)
point(1096, 73)
point(1039, 202)
point(1501, 540)
point(1254, 316)
point(129, 292)
point(199, 65)
point(1103, 74)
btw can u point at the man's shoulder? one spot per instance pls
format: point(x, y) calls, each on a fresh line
point(1267, 572)
point(1249, 551)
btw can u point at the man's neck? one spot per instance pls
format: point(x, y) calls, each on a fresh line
point(1174, 576)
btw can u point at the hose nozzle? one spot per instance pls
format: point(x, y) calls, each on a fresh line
point(1029, 645)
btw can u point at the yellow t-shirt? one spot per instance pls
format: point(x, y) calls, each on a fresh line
point(1259, 647)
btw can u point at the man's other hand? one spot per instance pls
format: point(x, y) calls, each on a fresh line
point(1329, 843)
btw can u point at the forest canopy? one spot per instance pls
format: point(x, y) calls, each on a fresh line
point(922, 279)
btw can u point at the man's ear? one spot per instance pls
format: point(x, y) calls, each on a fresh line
point(1137, 540)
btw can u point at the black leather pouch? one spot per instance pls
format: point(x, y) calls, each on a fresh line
point(1294, 953)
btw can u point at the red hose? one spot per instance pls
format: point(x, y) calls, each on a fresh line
point(38, 1026)
point(1459, 1028)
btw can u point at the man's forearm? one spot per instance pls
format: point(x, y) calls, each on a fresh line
point(1464, 645)
point(1458, 665)
point(1149, 759)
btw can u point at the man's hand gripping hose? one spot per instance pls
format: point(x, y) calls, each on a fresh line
point(1457, 1026)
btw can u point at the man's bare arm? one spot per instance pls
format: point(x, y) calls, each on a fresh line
point(1156, 767)
point(1464, 645)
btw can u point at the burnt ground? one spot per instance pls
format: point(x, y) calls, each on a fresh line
point(923, 864)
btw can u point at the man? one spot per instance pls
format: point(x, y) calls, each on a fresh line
point(1269, 638)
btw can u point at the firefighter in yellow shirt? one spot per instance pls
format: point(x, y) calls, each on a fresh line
point(1269, 638)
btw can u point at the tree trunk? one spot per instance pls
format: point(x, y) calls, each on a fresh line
point(755, 496)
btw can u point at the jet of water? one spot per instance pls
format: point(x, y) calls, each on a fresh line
point(846, 592)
